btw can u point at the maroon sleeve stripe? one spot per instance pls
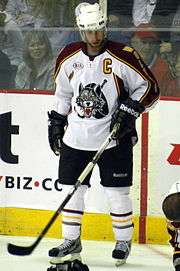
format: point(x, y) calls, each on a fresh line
point(131, 58)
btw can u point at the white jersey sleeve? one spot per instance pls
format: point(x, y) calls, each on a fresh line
point(64, 92)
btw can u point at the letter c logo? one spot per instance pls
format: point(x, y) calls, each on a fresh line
point(107, 68)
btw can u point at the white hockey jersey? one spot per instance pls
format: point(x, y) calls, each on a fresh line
point(88, 89)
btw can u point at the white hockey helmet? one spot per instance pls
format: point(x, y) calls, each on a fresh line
point(90, 17)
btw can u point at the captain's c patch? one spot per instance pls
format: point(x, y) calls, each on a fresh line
point(107, 66)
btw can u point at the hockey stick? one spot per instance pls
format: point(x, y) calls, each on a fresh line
point(27, 250)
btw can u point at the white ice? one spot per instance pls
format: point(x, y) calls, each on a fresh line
point(96, 254)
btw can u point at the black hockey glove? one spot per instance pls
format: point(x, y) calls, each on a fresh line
point(56, 126)
point(126, 115)
point(75, 265)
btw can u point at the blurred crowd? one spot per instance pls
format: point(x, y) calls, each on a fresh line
point(32, 32)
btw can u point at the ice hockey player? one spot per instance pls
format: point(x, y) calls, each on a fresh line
point(171, 209)
point(99, 83)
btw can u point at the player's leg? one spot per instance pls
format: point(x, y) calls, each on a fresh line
point(72, 162)
point(121, 215)
point(71, 226)
point(116, 177)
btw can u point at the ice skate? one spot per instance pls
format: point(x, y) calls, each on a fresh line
point(68, 250)
point(121, 252)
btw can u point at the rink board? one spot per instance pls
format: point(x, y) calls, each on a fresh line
point(28, 176)
point(25, 222)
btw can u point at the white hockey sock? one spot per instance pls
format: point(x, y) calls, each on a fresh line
point(121, 212)
point(72, 213)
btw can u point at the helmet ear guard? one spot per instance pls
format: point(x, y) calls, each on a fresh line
point(171, 204)
point(171, 207)
point(90, 17)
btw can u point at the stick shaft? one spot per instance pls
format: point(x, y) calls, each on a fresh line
point(81, 178)
point(19, 250)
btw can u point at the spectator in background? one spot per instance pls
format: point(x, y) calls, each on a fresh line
point(147, 44)
point(122, 10)
point(35, 14)
point(173, 87)
point(167, 55)
point(166, 44)
point(41, 13)
point(3, 4)
point(53, 15)
point(164, 12)
point(5, 72)
point(5, 65)
point(115, 32)
point(52, 12)
point(36, 72)
point(13, 44)
point(171, 211)
point(175, 33)
point(23, 12)
point(158, 12)
point(163, 16)
point(142, 11)
point(120, 16)
point(49, 14)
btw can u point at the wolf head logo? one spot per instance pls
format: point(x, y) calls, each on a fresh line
point(91, 101)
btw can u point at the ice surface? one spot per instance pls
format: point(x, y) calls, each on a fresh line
point(96, 254)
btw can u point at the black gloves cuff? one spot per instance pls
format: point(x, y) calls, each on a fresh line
point(57, 122)
point(132, 107)
point(56, 118)
point(126, 114)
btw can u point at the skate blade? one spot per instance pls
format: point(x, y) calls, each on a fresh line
point(120, 262)
point(71, 257)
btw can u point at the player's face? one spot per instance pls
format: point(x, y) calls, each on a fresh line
point(94, 39)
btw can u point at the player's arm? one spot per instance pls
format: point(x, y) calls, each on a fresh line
point(143, 93)
point(58, 117)
point(140, 81)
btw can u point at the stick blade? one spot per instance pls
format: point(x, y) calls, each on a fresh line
point(19, 250)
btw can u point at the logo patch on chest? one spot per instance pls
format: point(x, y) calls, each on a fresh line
point(91, 101)
point(78, 66)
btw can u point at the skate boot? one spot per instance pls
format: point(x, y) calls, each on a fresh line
point(121, 252)
point(176, 261)
point(72, 248)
